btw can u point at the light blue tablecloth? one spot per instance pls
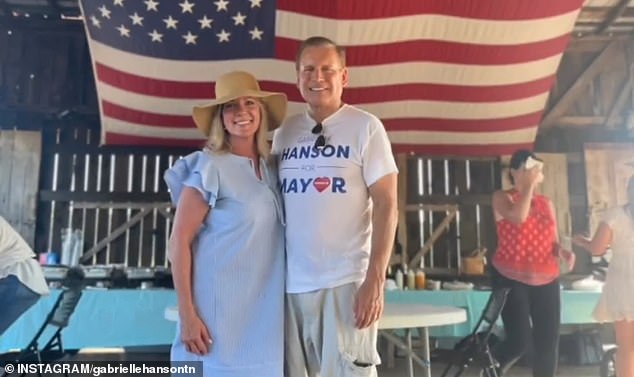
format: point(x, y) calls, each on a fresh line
point(576, 307)
point(103, 318)
point(128, 318)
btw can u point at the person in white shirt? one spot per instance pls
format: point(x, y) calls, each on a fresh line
point(338, 178)
point(22, 282)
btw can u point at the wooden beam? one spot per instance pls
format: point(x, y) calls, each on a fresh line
point(433, 207)
point(596, 134)
point(115, 234)
point(440, 228)
point(396, 259)
point(583, 41)
point(583, 44)
point(401, 231)
point(613, 15)
point(118, 205)
point(619, 103)
point(438, 202)
point(581, 121)
point(568, 98)
point(166, 211)
point(104, 197)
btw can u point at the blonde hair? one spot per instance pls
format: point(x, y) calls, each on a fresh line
point(219, 139)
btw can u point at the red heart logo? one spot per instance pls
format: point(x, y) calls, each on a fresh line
point(321, 183)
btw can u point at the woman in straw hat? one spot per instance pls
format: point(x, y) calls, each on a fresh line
point(227, 243)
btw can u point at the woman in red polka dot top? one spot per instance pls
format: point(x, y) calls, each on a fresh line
point(527, 261)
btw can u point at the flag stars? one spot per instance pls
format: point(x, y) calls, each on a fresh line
point(205, 23)
point(105, 12)
point(238, 19)
point(187, 7)
point(256, 33)
point(156, 36)
point(221, 5)
point(118, 2)
point(151, 5)
point(136, 19)
point(223, 36)
point(190, 38)
point(170, 23)
point(123, 31)
point(256, 3)
point(95, 21)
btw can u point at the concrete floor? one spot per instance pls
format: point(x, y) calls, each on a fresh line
point(400, 370)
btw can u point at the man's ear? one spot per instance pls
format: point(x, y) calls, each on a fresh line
point(345, 77)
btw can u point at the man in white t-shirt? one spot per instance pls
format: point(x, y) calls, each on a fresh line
point(338, 177)
point(21, 279)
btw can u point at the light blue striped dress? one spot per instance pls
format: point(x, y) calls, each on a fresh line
point(238, 264)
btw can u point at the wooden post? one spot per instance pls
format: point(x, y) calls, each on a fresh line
point(401, 231)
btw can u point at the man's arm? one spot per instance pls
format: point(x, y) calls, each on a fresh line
point(368, 305)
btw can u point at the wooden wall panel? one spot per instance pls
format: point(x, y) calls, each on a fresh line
point(555, 187)
point(608, 169)
point(20, 154)
point(467, 184)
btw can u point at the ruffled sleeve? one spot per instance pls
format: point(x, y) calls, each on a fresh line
point(196, 170)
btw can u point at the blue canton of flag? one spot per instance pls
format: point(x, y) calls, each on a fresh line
point(185, 30)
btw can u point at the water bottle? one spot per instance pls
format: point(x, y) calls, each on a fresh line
point(411, 280)
point(399, 278)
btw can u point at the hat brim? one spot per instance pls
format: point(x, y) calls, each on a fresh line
point(275, 104)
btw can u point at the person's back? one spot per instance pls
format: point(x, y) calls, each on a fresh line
point(21, 279)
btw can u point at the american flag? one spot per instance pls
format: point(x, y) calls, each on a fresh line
point(447, 77)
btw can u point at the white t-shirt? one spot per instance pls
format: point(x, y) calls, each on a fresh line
point(16, 258)
point(326, 196)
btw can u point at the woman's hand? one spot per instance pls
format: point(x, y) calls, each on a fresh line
point(526, 180)
point(569, 257)
point(580, 240)
point(195, 335)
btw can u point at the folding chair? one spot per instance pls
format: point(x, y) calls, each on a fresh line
point(57, 318)
point(474, 349)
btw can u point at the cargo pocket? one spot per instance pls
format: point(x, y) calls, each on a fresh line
point(349, 366)
point(357, 353)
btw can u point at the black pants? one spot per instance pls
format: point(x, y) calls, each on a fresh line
point(531, 316)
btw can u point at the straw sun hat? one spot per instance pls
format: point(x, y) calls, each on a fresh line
point(234, 85)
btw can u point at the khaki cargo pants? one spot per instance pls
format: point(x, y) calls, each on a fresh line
point(321, 338)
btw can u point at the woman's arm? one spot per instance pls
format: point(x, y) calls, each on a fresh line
point(567, 255)
point(505, 208)
point(516, 212)
point(191, 211)
point(599, 242)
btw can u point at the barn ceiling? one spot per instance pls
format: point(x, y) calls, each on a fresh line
point(599, 23)
point(598, 17)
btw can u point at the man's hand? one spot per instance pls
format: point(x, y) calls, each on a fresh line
point(368, 302)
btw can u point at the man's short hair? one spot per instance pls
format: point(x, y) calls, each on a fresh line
point(319, 41)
